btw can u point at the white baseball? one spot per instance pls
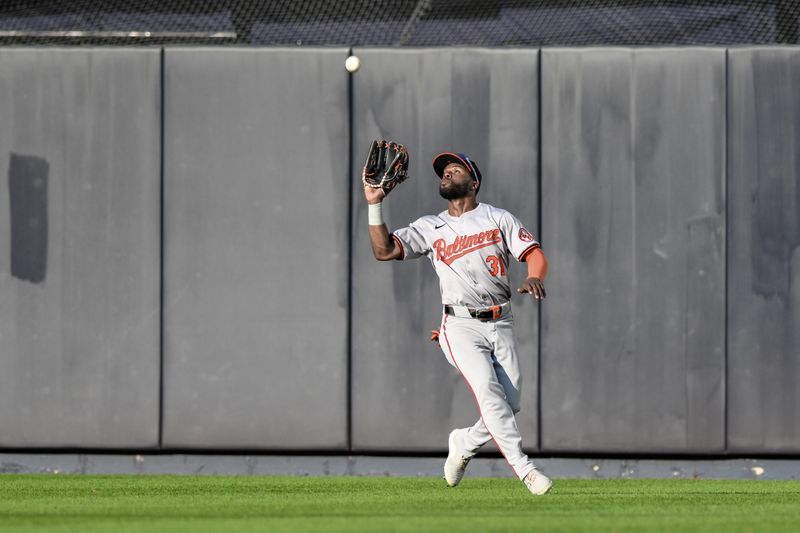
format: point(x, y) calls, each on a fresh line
point(352, 63)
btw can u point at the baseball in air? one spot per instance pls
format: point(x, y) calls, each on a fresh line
point(352, 63)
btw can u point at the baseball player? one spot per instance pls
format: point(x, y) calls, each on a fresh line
point(469, 245)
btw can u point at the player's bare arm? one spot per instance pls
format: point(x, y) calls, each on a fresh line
point(384, 248)
point(537, 270)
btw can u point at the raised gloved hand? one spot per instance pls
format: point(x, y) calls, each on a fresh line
point(386, 165)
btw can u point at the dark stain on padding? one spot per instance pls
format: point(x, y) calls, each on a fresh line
point(27, 188)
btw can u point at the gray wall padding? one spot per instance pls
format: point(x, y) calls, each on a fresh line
point(79, 247)
point(633, 177)
point(405, 394)
point(255, 248)
point(764, 250)
point(258, 226)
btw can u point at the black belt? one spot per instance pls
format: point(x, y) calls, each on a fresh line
point(483, 314)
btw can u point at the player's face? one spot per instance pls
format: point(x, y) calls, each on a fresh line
point(456, 182)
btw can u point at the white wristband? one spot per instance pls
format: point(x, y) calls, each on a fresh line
point(375, 214)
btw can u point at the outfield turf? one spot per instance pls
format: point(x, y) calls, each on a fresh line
point(183, 503)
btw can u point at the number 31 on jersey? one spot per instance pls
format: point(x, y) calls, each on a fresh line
point(496, 265)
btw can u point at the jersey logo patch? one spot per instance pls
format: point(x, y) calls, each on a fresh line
point(525, 235)
point(447, 253)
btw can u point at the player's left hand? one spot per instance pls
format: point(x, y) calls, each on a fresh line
point(435, 335)
point(533, 286)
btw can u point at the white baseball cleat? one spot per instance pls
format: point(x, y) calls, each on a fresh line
point(456, 464)
point(537, 483)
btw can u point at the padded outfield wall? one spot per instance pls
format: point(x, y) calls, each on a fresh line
point(185, 262)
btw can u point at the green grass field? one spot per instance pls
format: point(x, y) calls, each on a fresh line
point(183, 503)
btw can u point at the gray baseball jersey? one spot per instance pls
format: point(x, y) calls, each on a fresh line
point(469, 253)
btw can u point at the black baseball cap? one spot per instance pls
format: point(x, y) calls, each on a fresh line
point(441, 161)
